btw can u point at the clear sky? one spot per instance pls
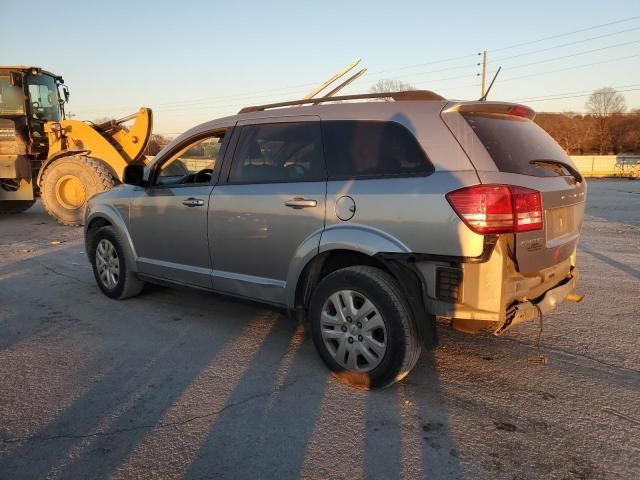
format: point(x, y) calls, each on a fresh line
point(192, 61)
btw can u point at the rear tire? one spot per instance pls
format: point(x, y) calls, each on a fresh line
point(69, 182)
point(374, 342)
point(110, 269)
point(8, 207)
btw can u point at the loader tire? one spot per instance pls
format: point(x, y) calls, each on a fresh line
point(69, 182)
point(15, 206)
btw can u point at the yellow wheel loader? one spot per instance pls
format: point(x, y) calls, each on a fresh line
point(64, 161)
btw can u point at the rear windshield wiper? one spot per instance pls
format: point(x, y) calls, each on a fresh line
point(557, 163)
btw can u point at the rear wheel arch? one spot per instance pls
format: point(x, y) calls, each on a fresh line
point(354, 244)
point(322, 265)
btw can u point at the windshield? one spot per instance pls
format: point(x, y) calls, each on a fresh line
point(43, 97)
point(11, 98)
point(514, 142)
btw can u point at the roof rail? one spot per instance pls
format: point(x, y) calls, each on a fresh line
point(409, 95)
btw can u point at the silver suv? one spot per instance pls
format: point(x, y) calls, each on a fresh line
point(366, 220)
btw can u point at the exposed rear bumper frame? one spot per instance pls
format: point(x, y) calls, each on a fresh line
point(533, 309)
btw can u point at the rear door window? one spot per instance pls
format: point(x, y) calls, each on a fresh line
point(279, 152)
point(513, 142)
point(369, 149)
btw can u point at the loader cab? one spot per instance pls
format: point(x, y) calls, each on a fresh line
point(29, 98)
point(45, 104)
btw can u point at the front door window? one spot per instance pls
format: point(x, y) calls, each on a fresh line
point(193, 164)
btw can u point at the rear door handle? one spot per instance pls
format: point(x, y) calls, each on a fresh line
point(299, 202)
point(193, 202)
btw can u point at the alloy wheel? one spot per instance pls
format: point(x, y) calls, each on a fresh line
point(107, 263)
point(353, 331)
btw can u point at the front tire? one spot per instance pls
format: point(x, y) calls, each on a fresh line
point(362, 327)
point(110, 266)
point(69, 182)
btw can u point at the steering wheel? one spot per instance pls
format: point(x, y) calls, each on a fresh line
point(199, 177)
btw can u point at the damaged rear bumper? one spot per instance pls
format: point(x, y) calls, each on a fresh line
point(534, 309)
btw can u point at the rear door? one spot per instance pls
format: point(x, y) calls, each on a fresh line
point(270, 202)
point(521, 153)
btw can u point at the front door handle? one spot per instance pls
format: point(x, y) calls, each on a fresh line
point(299, 202)
point(193, 202)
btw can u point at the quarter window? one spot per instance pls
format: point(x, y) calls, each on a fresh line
point(367, 149)
point(281, 152)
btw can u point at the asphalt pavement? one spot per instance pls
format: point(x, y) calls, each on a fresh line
point(183, 384)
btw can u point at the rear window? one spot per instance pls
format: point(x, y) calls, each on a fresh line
point(367, 149)
point(513, 142)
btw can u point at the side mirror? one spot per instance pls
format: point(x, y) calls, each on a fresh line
point(65, 92)
point(134, 175)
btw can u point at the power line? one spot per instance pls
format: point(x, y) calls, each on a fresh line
point(573, 54)
point(544, 61)
point(570, 68)
point(565, 45)
point(458, 67)
point(577, 95)
point(588, 92)
point(406, 67)
point(628, 19)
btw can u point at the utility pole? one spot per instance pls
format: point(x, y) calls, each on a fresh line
point(484, 71)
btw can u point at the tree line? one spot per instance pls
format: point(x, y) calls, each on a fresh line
point(585, 135)
point(606, 128)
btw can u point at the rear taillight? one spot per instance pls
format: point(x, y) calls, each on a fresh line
point(490, 209)
point(527, 207)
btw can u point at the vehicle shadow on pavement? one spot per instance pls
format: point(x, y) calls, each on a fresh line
point(96, 431)
point(178, 383)
point(287, 418)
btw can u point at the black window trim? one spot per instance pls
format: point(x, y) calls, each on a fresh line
point(153, 174)
point(426, 173)
point(233, 146)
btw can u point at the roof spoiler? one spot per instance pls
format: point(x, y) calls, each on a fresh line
point(501, 108)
